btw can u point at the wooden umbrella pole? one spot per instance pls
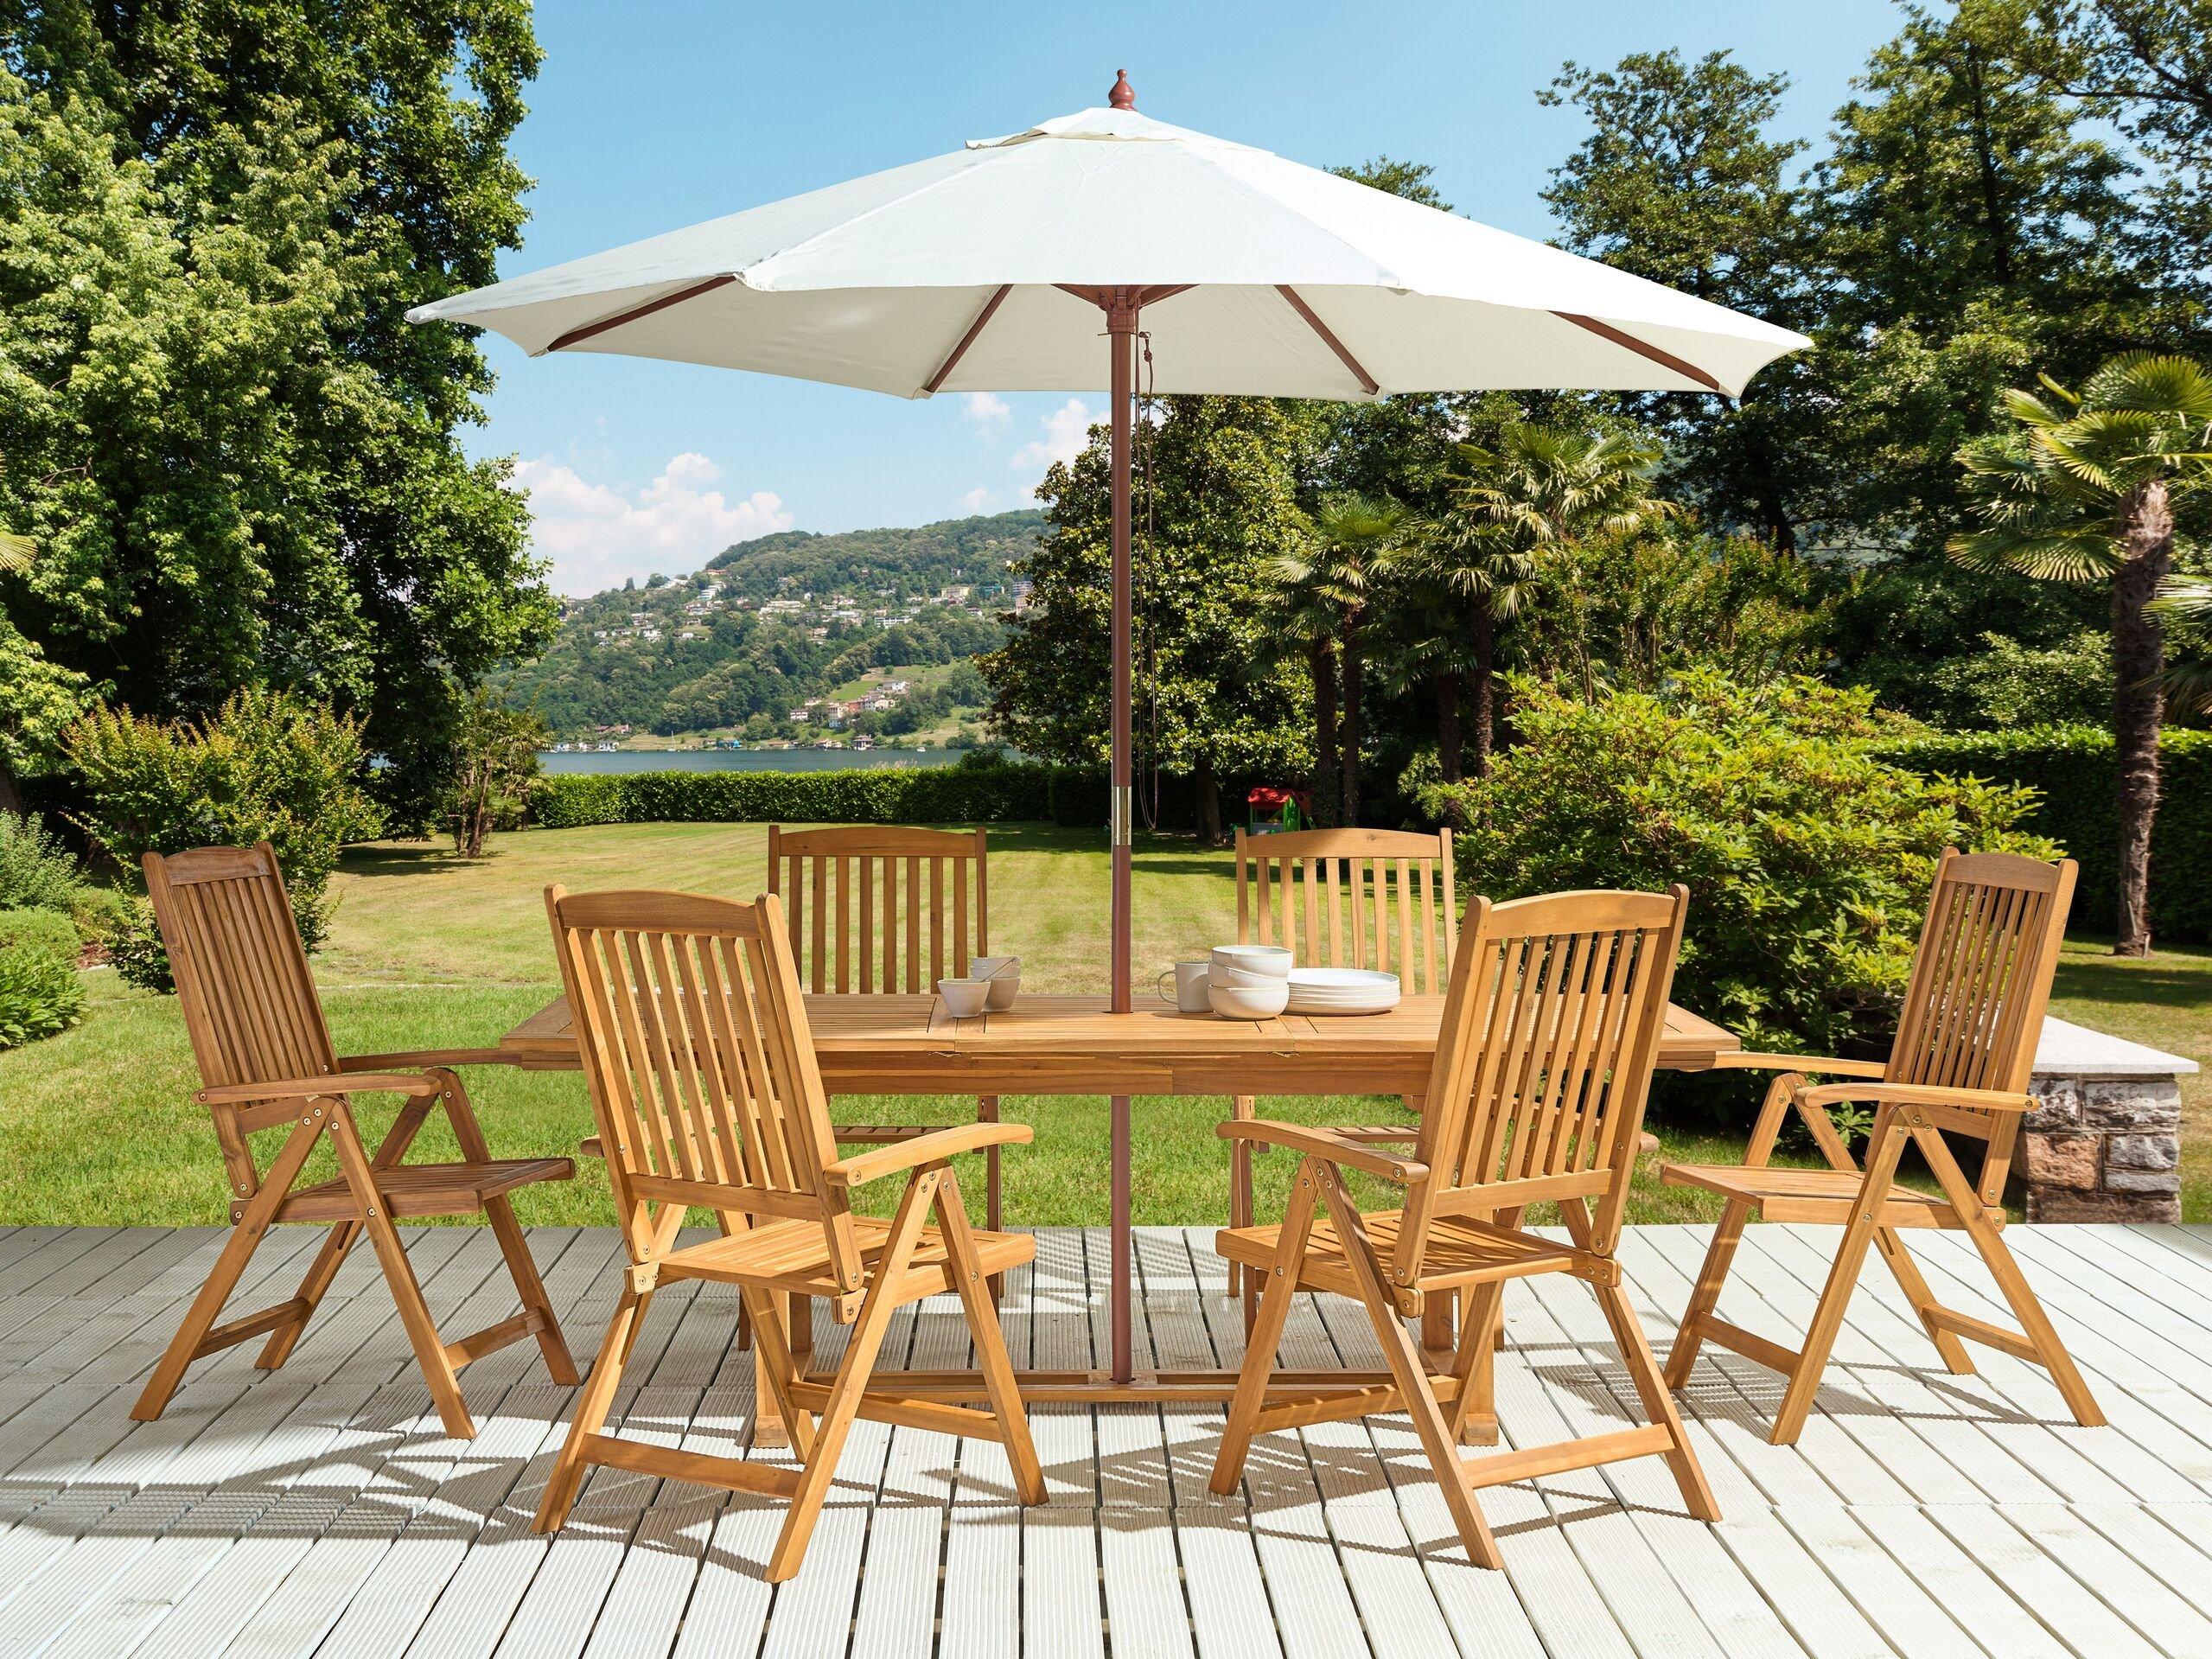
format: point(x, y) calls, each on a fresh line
point(1121, 338)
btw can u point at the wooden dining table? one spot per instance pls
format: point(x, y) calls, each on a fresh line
point(1072, 1044)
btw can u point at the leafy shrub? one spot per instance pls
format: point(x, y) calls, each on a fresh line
point(266, 766)
point(136, 952)
point(2009, 684)
point(36, 871)
point(39, 994)
point(50, 931)
point(2071, 769)
point(1808, 858)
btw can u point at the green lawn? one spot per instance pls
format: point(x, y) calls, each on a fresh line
point(97, 1124)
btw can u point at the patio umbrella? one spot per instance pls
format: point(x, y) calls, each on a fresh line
point(992, 269)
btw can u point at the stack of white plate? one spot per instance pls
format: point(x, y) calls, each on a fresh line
point(1341, 990)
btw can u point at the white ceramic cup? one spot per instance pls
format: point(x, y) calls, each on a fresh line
point(1190, 995)
point(964, 998)
point(1004, 973)
point(1271, 960)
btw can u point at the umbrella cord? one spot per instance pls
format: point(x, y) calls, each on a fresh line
point(1149, 798)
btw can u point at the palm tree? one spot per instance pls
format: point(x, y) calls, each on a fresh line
point(1539, 487)
point(1354, 537)
point(2084, 489)
point(2185, 605)
point(1456, 589)
point(1305, 619)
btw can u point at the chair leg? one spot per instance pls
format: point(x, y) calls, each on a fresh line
point(328, 1258)
point(590, 1415)
point(773, 1372)
point(1658, 1400)
point(531, 1289)
point(1242, 1108)
point(851, 1379)
point(1886, 1146)
point(1411, 1375)
point(400, 1275)
point(1906, 1270)
point(1705, 1295)
point(986, 1111)
point(245, 1237)
point(1473, 1416)
point(1997, 1256)
point(990, 1344)
point(1264, 1330)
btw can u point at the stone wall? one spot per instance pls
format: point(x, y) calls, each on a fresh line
point(2102, 1148)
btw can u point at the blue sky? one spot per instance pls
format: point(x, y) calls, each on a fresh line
point(650, 116)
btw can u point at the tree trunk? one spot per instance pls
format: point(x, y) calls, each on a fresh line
point(2139, 702)
point(1354, 673)
point(1483, 714)
point(1447, 689)
point(1321, 662)
point(11, 799)
point(1209, 801)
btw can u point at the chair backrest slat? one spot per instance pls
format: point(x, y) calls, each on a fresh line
point(249, 1001)
point(1973, 1008)
point(1551, 1031)
point(1326, 895)
point(911, 930)
point(692, 1023)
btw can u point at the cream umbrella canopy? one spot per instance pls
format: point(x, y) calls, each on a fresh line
point(988, 269)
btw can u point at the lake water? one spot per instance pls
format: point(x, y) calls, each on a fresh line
point(744, 760)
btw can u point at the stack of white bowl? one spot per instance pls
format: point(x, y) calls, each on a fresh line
point(1248, 981)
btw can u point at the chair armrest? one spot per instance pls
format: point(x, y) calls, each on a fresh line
point(417, 1057)
point(1801, 1062)
point(1978, 1100)
point(1324, 1144)
point(298, 1088)
point(932, 1148)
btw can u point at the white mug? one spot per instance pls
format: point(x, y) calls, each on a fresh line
point(1192, 991)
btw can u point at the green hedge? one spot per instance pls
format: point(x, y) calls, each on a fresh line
point(974, 791)
point(1000, 793)
point(2072, 767)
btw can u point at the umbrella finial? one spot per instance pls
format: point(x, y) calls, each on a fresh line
point(1124, 96)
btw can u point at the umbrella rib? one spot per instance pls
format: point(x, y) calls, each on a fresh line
point(1367, 382)
point(975, 328)
point(1687, 370)
point(575, 336)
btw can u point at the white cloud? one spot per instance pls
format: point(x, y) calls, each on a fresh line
point(1067, 429)
point(978, 498)
point(985, 410)
point(596, 534)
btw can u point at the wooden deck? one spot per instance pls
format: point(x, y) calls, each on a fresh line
point(318, 1510)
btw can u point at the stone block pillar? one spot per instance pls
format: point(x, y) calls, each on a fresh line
point(2103, 1141)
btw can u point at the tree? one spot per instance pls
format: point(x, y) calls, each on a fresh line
point(1538, 489)
point(2085, 489)
point(240, 463)
point(1215, 490)
point(1470, 577)
point(494, 756)
point(1215, 500)
point(1326, 588)
point(38, 698)
point(1678, 182)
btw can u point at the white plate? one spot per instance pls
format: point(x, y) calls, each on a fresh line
point(1341, 990)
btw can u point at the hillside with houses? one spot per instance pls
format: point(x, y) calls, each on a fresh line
point(856, 638)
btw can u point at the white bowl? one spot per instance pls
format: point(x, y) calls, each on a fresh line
point(1004, 973)
point(1250, 1001)
point(1271, 960)
point(965, 998)
point(1239, 978)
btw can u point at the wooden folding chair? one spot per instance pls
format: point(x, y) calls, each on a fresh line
point(1965, 1049)
point(693, 1027)
point(266, 1061)
point(1551, 1028)
point(1324, 895)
